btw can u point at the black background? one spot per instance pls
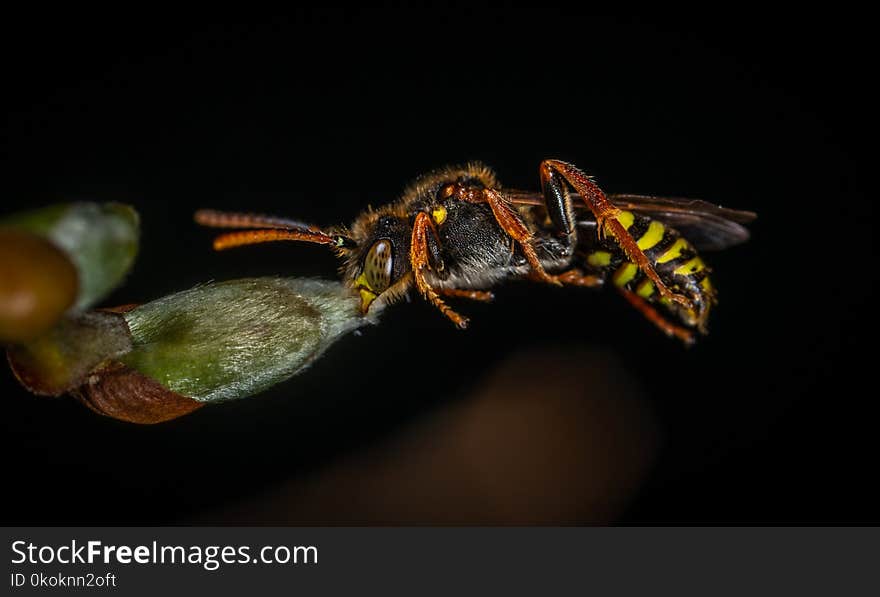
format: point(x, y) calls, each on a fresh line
point(769, 420)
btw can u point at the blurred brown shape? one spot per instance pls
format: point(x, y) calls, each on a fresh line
point(122, 393)
point(38, 283)
point(551, 437)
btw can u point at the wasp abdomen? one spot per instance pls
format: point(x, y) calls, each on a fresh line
point(674, 259)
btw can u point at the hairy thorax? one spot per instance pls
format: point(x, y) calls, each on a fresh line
point(477, 253)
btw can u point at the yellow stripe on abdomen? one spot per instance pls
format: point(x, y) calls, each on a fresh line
point(599, 258)
point(690, 267)
point(674, 252)
point(652, 236)
point(645, 288)
point(624, 274)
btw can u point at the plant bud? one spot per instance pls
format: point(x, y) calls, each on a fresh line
point(233, 339)
point(161, 360)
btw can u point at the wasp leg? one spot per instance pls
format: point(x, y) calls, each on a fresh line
point(474, 295)
point(652, 315)
point(510, 221)
point(395, 292)
point(574, 277)
point(419, 257)
point(605, 213)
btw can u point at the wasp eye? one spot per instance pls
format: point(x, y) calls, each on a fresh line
point(378, 265)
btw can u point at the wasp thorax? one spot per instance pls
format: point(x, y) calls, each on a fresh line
point(378, 265)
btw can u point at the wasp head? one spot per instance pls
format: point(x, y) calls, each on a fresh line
point(381, 258)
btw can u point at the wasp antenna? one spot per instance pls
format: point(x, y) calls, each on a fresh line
point(223, 219)
point(253, 237)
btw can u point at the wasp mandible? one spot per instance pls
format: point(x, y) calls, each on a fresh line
point(455, 232)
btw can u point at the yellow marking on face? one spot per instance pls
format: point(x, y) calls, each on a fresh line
point(652, 236)
point(366, 292)
point(645, 288)
point(361, 282)
point(439, 215)
point(689, 267)
point(624, 274)
point(674, 252)
point(706, 285)
point(367, 299)
point(599, 258)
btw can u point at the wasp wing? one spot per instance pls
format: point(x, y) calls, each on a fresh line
point(707, 226)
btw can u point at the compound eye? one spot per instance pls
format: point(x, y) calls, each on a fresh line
point(378, 266)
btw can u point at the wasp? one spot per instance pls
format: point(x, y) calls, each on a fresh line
point(457, 233)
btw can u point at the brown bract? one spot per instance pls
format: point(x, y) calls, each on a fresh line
point(120, 392)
